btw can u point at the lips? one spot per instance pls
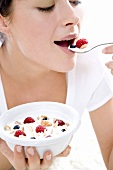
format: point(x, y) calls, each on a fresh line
point(67, 40)
point(64, 43)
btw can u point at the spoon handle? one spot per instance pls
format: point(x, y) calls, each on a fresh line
point(87, 49)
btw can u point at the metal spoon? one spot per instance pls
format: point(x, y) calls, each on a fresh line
point(87, 49)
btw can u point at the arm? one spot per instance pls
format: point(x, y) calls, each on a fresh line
point(102, 121)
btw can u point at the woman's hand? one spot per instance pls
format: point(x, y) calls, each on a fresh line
point(18, 161)
point(65, 153)
point(109, 50)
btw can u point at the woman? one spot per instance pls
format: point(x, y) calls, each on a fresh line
point(35, 62)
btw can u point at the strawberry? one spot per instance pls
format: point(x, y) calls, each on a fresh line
point(40, 129)
point(29, 120)
point(60, 122)
point(19, 132)
point(81, 42)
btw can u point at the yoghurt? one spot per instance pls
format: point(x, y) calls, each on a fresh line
point(36, 128)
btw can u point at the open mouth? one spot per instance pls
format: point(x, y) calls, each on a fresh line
point(64, 43)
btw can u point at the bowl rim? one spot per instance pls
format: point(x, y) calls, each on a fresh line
point(51, 140)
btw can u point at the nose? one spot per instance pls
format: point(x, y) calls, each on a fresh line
point(68, 15)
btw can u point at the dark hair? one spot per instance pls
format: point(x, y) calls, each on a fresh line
point(5, 7)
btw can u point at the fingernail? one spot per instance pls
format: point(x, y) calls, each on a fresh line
point(104, 50)
point(48, 157)
point(107, 64)
point(70, 150)
point(19, 148)
point(30, 151)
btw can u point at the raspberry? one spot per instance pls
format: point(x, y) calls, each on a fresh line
point(60, 122)
point(19, 132)
point(40, 129)
point(29, 120)
point(81, 42)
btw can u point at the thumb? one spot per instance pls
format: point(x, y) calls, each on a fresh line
point(5, 150)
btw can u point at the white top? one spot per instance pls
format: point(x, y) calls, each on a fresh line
point(88, 85)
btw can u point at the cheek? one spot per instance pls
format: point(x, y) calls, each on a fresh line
point(31, 37)
point(30, 29)
point(34, 33)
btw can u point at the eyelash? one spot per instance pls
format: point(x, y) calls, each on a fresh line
point(50, 9)
point(75, 3)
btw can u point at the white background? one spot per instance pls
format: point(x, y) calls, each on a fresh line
point(100, 19)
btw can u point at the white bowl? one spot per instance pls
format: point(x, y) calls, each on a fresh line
point(52, 109)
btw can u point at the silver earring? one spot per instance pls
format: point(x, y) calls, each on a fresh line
point(2, 38)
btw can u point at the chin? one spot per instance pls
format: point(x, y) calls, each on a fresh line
point(69, 65)
point(66, 68)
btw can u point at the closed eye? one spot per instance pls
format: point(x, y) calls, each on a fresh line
point(47, 9)
point(75, 3)
point(50, 8)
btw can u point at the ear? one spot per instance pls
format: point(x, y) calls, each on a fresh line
point(4, 25)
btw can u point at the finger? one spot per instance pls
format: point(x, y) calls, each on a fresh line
point(65, 153)
point(108, 50)
point(19, 158)
point(33, 158)
point(110, 64)
point(6, 151)
point(112, 71)
point(34, 161)
point(47, 160)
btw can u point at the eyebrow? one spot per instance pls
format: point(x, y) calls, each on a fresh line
point(44, 1)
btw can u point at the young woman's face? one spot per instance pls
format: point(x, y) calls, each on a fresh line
point(43, 29)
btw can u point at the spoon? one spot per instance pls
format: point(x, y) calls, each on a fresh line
point(87, 49)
